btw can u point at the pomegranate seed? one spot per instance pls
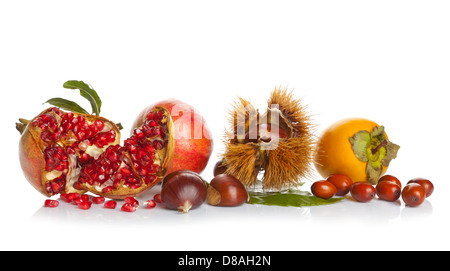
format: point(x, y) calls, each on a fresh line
point(84, 158)
point(77, 201)
point(80, 135)
point(138, 133)
point(155, 168)
point(69, 116)
point(56, 186)
point(143, 172)
point(65, 197)
point(113, 157)
point(111, 204)
point(125, 171)
point(148, 131)
point(70, 150)
point(158, 144)
point(98, 200)
point(78, 186)
point(55, 158)
point(107, 189)
point(69, 197)
point(117, 176)
point(85, 205)
point(132, 148)
point(149, 179)
point(81, 119)
point(150, 204)
point(51, 203)
point(89, 133)
point(76, 128)
point(160, 115)
point(159, 132)
point(157, 198)
point(116, 184)
point(128, 207)
point(132, 201)
point(99, 124)
point(149, 148)
point(84, 197)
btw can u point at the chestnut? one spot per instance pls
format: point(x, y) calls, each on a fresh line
point(265, 133)
point(226, 190)
point(183, 190)
point(219, 168)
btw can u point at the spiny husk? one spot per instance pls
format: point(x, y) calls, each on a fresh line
point(287, 164)
point(239, 108)
point(293, 110)
point(283, 165)
point(242, 162)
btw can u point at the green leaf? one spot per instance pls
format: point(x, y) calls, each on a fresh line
point(87, 92)
point(290, 198)
point(67, 105)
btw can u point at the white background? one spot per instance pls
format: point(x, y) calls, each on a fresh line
point(383, 60)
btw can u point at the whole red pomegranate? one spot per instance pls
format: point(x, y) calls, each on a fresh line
point(193, 143)
point(63, 152)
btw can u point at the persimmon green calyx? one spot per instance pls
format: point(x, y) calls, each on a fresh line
point(375, 149)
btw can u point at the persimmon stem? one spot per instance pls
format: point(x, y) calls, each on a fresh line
point(381, 145)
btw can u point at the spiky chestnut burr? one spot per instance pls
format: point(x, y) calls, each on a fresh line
point(278, 143)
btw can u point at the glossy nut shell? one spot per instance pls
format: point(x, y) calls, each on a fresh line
point(183, 190)
point(226, 190)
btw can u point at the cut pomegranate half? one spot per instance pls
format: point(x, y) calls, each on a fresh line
point(64, 152)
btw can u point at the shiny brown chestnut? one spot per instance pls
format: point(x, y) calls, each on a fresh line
point(183, 190)
point(226, 190)
point(219, 168)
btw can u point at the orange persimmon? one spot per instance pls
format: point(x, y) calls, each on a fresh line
point(358, 148)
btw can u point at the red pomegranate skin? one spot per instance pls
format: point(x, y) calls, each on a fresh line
point(193, 139)
point(31, 161)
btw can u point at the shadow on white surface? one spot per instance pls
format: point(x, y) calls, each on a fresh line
point(375, 211)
